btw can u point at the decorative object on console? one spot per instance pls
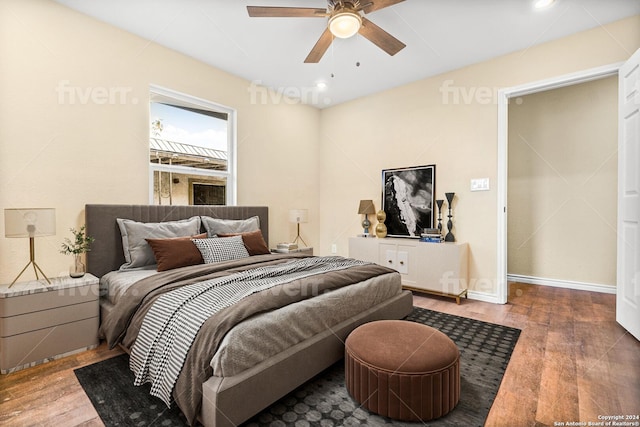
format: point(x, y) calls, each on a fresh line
point(431, 235)
point(366, 207)
point(81, 244)
point(381, 229)
point(297, 216)
point(408, 200)
point(439, 202)
point(30, 222)
point(449, 237)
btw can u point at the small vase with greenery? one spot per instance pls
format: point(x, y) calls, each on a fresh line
point(81, 244)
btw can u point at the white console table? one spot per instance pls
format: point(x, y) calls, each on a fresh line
point(435, 268)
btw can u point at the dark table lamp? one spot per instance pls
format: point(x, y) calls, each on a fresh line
point(366, 208)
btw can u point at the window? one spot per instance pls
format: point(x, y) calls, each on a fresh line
point(191, 150)
point(207, 193)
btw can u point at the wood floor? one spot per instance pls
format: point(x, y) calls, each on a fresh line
point(572, 363)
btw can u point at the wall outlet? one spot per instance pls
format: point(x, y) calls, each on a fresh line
point(334, 248)
point(480, 184)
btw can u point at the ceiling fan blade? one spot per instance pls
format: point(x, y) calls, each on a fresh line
point(285, 12)
point(380, 37)
point(320, 48)
point(373, 5)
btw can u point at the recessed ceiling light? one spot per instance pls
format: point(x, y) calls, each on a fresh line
point(321, 85)
point(541, 4)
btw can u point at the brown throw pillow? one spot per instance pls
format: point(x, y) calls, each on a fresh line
point(253, 241)
point(176, 252)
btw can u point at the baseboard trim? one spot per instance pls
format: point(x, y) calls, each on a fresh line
point(556, 283)
point(483, 296)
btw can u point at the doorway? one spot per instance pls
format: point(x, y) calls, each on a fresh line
point(504, 96)
point(562, 187)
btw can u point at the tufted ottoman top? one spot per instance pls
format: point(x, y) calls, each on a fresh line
point(402, 347)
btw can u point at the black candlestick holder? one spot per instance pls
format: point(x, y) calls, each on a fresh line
point(439, 203)
point(449, 237)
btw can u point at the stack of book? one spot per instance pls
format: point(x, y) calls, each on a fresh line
point(286, 248)
point(431, 235)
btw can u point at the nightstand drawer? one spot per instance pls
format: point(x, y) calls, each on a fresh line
point(20, 324)
point(40, 323)
point(41, 345)
point(48, 299)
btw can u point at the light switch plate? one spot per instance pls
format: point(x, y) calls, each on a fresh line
point(480, 184)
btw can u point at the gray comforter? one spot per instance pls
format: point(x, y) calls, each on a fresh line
point(124, 322)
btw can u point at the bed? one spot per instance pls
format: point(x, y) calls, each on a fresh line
point(300, 339)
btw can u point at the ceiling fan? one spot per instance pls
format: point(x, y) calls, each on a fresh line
point(345, 20)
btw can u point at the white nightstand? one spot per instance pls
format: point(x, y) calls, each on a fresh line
point(39, 324)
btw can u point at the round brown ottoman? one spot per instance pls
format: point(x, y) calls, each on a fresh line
point(402, 370)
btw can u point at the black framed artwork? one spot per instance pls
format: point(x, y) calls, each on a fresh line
point(407, 200)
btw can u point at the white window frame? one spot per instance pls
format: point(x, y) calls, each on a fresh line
point(231, 173)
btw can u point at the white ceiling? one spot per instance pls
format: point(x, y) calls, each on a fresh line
point(440, 35)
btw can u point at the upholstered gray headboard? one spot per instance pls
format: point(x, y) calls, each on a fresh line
point(106, 251)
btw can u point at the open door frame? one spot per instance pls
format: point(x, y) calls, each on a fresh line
point(628, 281)
point(503, 110)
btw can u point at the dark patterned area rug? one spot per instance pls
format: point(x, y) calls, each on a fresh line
point(485, 350)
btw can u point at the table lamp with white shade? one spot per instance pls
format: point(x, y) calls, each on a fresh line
point(298, 216)
point(31, 223)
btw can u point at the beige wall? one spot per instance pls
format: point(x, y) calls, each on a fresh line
point(562, 188)
point(449, 120)
point(63, 154)
point(58, 150)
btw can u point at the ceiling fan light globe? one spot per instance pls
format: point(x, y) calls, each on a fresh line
point(543, 4)
point(345, 24)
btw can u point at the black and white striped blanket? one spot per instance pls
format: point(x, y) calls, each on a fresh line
point(174, 320)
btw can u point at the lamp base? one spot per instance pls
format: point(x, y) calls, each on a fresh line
point(36, 268)
point(32, 260)
point(366, 224)
point(300, 238)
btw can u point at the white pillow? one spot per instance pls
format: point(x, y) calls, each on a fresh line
point(221, 249)
point(215, 226)
point(137, 252)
